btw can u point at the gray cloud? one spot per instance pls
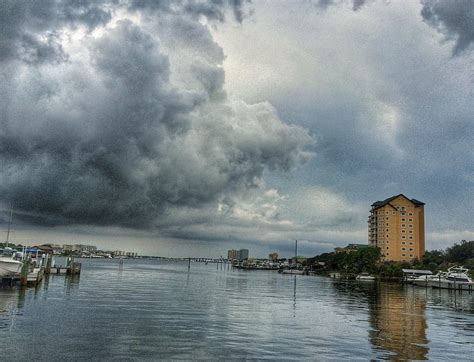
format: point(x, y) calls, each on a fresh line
point(30, 29)
point(212, 10)
point(356, 4)
point(384, 123)
point(455, 19)
point(114, 137)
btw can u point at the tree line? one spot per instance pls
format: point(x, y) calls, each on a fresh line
point(368, 260)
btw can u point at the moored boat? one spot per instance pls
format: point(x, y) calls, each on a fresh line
point(425, 280)
point(365, 277)
point(9, 266)
point(457, 278)
point(292, 271)
point(295, 268)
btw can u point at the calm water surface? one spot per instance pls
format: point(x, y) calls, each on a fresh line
point(151, 309)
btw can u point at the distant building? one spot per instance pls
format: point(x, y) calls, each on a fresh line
point(80, 248)
point(50, 248)
point(243, 254)
point(233, 255)
point(298, 259)
point(68, 247)
point(350, 247)
point(397, 227)
point(239, 255)
point(124, 254)
point(273, 256)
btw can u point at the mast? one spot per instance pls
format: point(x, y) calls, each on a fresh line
point(9, 224)
point(296, 252)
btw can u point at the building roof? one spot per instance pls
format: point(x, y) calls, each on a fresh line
point(416, 271)
point(378, 204)
point(357, 246)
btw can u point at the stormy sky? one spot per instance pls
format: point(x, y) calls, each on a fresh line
point(191, 127)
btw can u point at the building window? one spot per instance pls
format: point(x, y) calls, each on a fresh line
point(403, 237)
point(403, 254)
point(411, 242)
point(410, 214)
point(404, 213)
point(403, 231)
point(411, 220)
point(403, 208)
point(403, 225)
point(403, 220)
point(411, 249)
point(404, 242)
point(410, 231)
point(403, 249)
point(393, 212)
point(387, 247)
point(411, 255)
point(410, 226)
point(387, 212)
point(386, 229)
point(410, 237)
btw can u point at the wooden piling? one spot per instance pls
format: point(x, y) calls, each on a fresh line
point(24, 272)
point(49, 261)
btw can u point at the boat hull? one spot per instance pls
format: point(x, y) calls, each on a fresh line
point(293, 271)
point(9, 267)
point(446, 284)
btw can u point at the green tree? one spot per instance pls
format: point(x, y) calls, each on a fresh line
point(458, 253)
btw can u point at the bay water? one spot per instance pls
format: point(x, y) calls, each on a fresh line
point(149, 309)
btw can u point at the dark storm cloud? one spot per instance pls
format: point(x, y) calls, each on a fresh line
point(211, 9)
point(453, 18)
point(29, 27)
point(107, 138)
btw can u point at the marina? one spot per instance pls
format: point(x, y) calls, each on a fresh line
point(159, 159)
point(156, 309)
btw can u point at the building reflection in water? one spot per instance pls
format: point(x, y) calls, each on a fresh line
point(397, 318)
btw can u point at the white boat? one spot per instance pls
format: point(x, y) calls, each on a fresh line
point(295, 270)
point(365, 277)
point(292, 271)
point(457, 277)
point(425, 280)
point(9, 266)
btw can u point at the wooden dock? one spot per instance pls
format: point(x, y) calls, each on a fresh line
point(35, 277)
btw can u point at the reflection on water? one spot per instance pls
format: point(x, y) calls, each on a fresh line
point(9, 305)
point(155, 309)
point(399, 322)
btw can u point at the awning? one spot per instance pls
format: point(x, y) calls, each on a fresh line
point(417, 272)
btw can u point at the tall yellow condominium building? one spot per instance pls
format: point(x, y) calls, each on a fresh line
point(397, 227)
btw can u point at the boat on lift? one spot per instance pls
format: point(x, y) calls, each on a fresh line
point(9, 265)
point(425, 280)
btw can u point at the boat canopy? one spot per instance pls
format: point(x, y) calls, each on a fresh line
point(417, 272)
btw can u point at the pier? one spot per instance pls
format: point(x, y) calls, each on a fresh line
point(33, 273)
